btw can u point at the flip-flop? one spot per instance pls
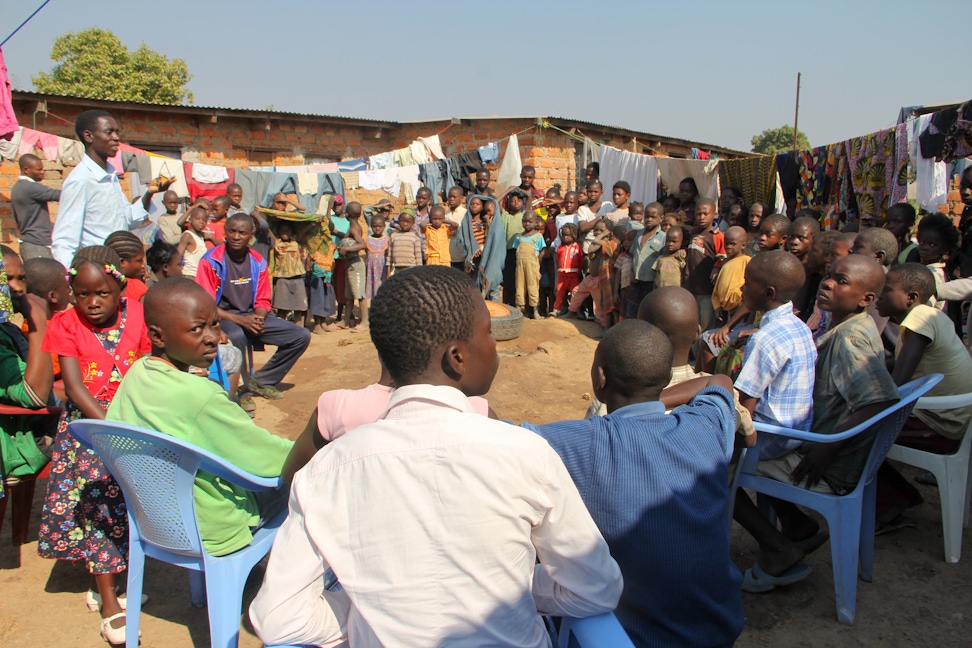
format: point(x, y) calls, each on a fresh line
point(757, 581)
point(814, 542)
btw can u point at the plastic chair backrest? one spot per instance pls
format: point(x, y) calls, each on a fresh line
point(157, 474)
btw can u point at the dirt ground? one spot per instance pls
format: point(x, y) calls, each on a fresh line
point(916, 598)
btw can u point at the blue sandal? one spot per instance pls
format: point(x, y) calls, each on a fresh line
point(757, 581)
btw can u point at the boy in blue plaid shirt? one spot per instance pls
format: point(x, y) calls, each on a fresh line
point(776, 380)
point(851, 385)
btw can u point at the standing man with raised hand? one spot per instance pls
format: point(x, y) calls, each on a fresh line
point(29, 199)
point(92, 202)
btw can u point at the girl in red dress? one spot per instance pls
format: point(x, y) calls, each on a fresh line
point(84, 514)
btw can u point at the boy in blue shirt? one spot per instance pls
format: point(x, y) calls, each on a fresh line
point(656, 485)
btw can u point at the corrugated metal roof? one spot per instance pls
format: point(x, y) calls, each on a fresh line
point(27, 94)
point(269, 113)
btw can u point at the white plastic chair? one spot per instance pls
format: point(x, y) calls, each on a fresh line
point(951, 471)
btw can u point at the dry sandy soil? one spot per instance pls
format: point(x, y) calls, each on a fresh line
point(916, 598)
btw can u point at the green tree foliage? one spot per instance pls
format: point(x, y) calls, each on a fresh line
point(94, 63)
point(778, 140)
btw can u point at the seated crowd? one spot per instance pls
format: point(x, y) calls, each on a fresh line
point(477, 526)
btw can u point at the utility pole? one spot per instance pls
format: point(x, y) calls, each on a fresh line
point(796, 115)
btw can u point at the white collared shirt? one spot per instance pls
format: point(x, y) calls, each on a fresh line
point(92, 206)
point(432, 519)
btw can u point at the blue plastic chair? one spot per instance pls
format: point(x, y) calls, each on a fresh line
point(601, 631)
point(850, 517)
point(157, 472)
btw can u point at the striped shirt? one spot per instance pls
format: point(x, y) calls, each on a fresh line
point(779, 365)
point(404, 249)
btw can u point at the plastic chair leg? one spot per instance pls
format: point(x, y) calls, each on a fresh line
point(844, 556)
point(867, 530)
point(224, 593)
point(136, 574)
point(21, 501)
point(952, 488)
point(197, 588)
point(968, 493)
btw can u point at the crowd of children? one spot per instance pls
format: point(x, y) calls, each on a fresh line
point(816, 330)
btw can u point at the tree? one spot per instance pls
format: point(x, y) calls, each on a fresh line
point(779, 140)
point(94, 63)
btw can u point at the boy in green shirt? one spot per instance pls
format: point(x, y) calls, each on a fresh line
point(183, 326)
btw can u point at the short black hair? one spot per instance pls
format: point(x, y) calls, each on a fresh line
point(27, 159)
point(594, 165)
point(735, 191)
point(675, 311)
point(913, 277)
point(159, 254)
point(43, 275)
point(87, 121)
point(621, 184)
point(6, 250)
point(881, 240)
point(807, 221)
point(779, 222)
point(904, 210)
point(815, 214)
point(159, 302)
point(425, 189)
point(126, 244)
point(527, 167)
point(233, 185)
point(596, 182)
point(241, 216)
point(941, 224)
point(417, 310)
point(636, 358)
point(702, 202)
point(690, 180)
point(222, 200)
point(779, 269)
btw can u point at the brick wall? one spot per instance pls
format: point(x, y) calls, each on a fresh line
point(258, 139)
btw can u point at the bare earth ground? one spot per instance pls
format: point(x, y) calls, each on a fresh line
point(916, 598)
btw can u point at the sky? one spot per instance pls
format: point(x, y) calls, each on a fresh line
point(710, 70)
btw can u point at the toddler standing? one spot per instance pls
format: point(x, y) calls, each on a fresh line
point(288, 265)
point(97, 342)
point(376, 245)
point(570, 262)
point(670, 268)
point(623, 269)
point(404, 245)
point(437, 231)
point(528, 244)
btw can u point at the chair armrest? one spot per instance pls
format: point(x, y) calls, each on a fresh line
point(766, 428)
point(238, 477)
point(601, 631)
point(943, 402)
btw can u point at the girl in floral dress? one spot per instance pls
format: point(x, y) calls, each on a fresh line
point(97, 342)
point(376, 246)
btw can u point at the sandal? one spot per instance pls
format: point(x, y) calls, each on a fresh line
point(757, 581)
point(111, 634)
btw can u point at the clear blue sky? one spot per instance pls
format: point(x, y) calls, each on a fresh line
point(712, 71)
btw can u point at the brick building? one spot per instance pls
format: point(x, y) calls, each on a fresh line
point(240, 138)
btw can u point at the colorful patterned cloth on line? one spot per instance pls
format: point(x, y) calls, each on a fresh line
point(872, 171)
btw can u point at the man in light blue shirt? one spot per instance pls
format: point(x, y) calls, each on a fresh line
point(92, 202)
